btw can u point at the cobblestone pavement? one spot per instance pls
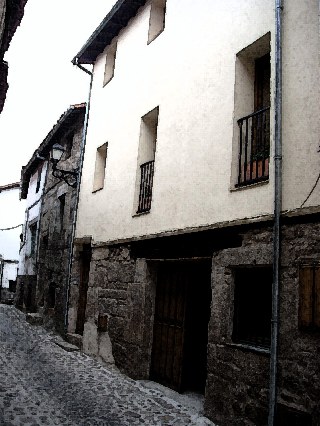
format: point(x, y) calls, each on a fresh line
point(42, 384)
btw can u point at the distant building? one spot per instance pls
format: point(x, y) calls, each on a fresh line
point(11, 221)
point(11, 13)
point(44, 262)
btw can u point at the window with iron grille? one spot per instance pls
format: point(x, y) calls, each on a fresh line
point(252, 306)
point(251, 153)
point(254, 129)
point(309, 300)
point(146, 156)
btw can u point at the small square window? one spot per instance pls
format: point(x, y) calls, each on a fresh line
point(309, 301)
point(110, 63)
point(99, 173)
point(252, 306)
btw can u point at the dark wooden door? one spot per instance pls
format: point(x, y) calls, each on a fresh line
point(178, 322)
point(169, 319)
point(85, 258)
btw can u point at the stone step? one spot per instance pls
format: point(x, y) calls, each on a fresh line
point(65, 345)
point(34, 319)
point(74, 339)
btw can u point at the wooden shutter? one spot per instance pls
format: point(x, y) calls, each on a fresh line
point(306, 285)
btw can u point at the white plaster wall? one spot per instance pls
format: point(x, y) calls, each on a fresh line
point(32, 213)
point(301, 103)
point(9, 273)
point(11, 214)
point(189, 72)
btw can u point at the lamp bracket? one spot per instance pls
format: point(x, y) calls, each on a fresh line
point(70, 177)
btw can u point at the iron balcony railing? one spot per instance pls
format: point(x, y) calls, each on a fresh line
point(146, 181)
point(254, 147)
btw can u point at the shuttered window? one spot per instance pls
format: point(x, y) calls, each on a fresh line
point(309, 306)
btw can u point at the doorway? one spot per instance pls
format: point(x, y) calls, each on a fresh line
point(180, 334)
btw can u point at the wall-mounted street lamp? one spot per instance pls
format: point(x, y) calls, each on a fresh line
point(70, 177)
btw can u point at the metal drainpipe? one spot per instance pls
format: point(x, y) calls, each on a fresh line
point(82, 149)
point(277, 213)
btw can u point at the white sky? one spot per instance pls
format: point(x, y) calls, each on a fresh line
point(43, 83)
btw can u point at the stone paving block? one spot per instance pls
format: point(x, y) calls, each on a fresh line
point(42, 384)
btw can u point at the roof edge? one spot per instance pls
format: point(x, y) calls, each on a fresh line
point(118, 17)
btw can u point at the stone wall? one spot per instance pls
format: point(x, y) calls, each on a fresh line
point(55, 236)
point(237, 380)
point(119, 294)
point(299, 355)
point(238, 377)
point(119, 325)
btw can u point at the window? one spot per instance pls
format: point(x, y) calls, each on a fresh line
point(39, 178)
point(309, 301)
point(68, 145)
point(157, 19)
point(110, 63)
point(252, 112)
point(33, 238)
point(51, 298)
point(146, 156)
point(252, 306)
point(62, 203)
point(99, 172)
point(12, 286)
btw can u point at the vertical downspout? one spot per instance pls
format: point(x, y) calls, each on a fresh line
point(277, 213)
point(82, 149)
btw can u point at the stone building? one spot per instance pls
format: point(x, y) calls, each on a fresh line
point(11, 219)
point(11, 13)
point(176, 265)
point(50, 218)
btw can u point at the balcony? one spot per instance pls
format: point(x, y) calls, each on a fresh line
point(146, 182)
point(254, 147)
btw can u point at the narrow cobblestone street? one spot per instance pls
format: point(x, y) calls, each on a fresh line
point(42, 384)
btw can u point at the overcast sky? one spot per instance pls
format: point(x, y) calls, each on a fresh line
point(43, 83)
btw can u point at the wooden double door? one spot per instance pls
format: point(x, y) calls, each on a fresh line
point(180, 335)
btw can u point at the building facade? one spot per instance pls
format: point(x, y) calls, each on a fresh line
point(43, 270)
point(173, 260)
point(12, 213)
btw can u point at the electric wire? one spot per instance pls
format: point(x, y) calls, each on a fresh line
point(310, 193)
point(12, 227)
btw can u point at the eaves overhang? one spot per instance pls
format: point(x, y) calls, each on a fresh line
point(63, 125)
point(116, 19)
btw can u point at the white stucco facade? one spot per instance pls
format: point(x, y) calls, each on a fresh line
point(27, 260)
point(189, 73)
point(11, 220)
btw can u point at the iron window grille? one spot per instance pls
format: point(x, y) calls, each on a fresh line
point(254, 147)
point(146, 181)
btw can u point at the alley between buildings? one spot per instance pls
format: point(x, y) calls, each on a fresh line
point(42, 384)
